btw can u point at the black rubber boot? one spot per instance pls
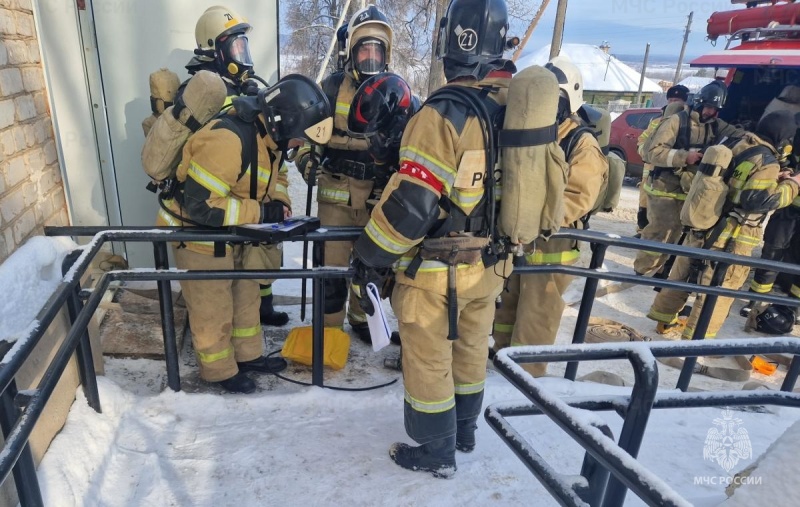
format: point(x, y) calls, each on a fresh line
point(269, 317)
point(362, 331)
point(465, 434)
point(437, 457)
point(395, 338)
point(264, 365)
point(239, 383)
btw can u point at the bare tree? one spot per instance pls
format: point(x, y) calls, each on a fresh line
point(414, 23)
point(311, 26)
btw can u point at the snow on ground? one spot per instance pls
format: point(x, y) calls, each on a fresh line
point(296, 445)
point(27, 278)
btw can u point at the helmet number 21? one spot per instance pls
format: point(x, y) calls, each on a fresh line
point(467, 39)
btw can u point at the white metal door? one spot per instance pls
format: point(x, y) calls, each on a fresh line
point(98, 61)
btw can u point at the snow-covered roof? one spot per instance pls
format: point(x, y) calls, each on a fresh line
point(601, 71)
point(694, 83)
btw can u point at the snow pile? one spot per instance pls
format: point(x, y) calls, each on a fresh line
point(27, 279)
point(774, 475)
point(601, 72)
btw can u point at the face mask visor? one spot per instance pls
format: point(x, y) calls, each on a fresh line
point(369, 57)
point(236, 55)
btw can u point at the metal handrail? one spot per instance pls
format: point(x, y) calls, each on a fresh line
point(34, 400)
point(635, 409)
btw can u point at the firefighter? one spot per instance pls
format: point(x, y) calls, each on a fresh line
point(753, 191)
point(783, 227)
point(220, 185)
point(530, 311)
point(223, 48)
point(677, 95)
point(347, 176)
point(780, 244)
point(674, 150)
point(437, 201)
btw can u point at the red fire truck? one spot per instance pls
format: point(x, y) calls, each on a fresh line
point(761, 57)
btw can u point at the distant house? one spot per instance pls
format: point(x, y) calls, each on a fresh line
point(605, 79)
point(694, 83)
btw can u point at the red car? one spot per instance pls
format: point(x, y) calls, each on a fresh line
point(625, 131)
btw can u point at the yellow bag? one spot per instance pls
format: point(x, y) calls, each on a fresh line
point(299, 345)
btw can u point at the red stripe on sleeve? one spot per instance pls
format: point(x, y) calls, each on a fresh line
point(419, 172)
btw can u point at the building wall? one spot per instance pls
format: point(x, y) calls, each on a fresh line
point(31, 196)
point(31, 189)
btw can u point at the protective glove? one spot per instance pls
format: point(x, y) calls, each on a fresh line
point(250, 88)
point(379, 147)
point(271, 212)
point(306, 164)
point(364, 275)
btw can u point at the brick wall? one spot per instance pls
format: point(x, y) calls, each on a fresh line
point(31, 191)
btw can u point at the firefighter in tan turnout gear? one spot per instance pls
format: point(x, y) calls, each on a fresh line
point(753, 190)
point(433, 226)
point(676, 98)
point(229, 175)
point(348, 173)
point(674, 150)
point(223, 48)
point(530, 312)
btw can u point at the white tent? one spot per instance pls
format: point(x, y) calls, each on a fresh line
point(601, 72)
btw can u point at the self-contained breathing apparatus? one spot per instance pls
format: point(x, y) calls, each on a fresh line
point(294, 108)
point(707, 211)
point(477, 238)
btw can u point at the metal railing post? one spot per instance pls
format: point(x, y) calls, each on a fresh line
point(318, 331)
point(25, 469)
point(83, 351)
point(643, 394)
point(587, 302)
point(167, 318)
point(709, 302)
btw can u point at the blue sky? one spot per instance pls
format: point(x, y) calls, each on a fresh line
point(628, 25)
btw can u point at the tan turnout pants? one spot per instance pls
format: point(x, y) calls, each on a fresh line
point(223, 314)
point(669, 302)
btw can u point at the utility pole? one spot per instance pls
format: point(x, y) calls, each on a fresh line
point(558, 29)
point(641, 79)
point(324, 65)
point(683, 49)
point(529, 31)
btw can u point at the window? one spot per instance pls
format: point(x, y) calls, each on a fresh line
point(641, 120)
